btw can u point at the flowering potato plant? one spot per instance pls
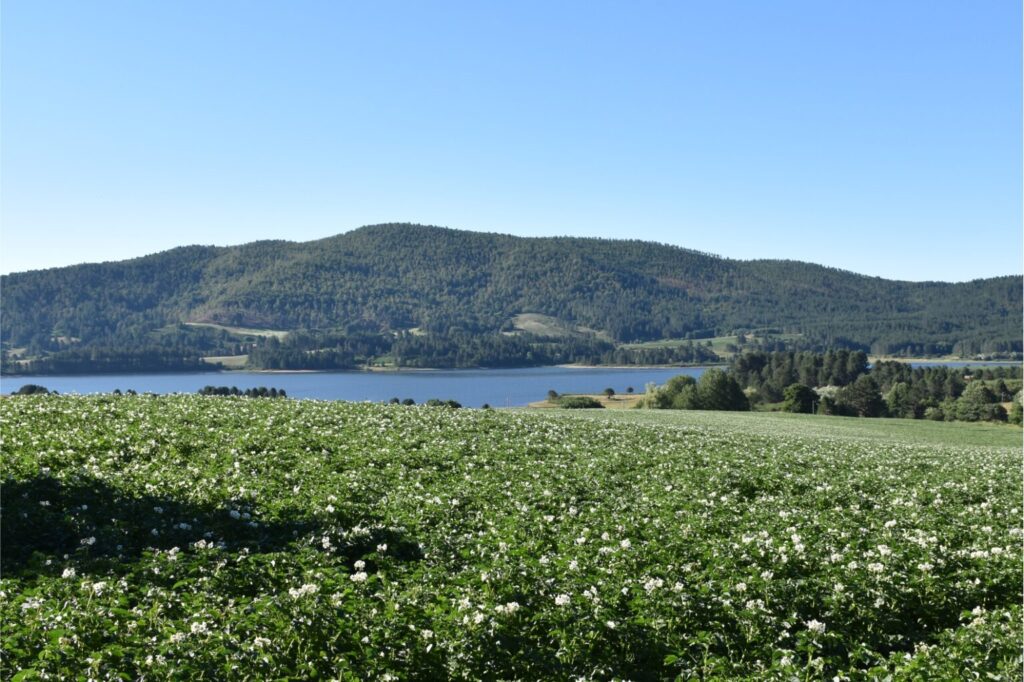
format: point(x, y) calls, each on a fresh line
point(195, 537)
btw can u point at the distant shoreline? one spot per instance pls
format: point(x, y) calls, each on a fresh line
point(213, 371)
point(944, 361)
point(703, 364)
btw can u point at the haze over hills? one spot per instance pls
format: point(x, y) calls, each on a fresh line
point(413, 292)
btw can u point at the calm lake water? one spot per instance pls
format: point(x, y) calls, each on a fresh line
point(471, 387)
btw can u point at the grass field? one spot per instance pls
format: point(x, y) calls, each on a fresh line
point(718, 343)
point(241, 331)
point(816, 427)
point(545, 325)
point(190, 537)
point(229, 361)
point(626, 401)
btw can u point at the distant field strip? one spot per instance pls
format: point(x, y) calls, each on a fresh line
point(241, 331)
point(767, 424)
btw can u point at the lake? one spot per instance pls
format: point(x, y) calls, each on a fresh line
point(471, 387)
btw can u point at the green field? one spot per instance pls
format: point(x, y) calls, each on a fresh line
point(190, 537)
point(228, 361)
point(241, 331)
point(718, 343)
point(545, 325)
point(818, 427)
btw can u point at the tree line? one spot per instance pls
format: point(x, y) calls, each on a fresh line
point(841, 382)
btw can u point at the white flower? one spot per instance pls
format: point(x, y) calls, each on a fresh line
point(625, 544)
point(359, 565)
point(359, 577)
point(610, 624)
point(68, 573)
point(740, 587)
point(507, 609)
point(330, 509)
point(890, 524)
point(89, 541)
point(200, 628)
point(381, 548)
point(98, 588)
point(876, 568)
point(815, 626)
point(31, 603)
point(260, 642)
point(562, 600)
point(307, 589)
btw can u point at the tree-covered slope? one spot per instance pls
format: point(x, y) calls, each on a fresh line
point(389, 278)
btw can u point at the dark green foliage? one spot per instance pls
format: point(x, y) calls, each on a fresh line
point(32, 389)
point(979, 403)
point(715, 390)
point(938, 392)
point(462, 290)
point(799, 398)
point(770, 373)
point(863, 398)
point(900, 403)
point(609, 392)
point(261, 392)
point(552, 395)
point(1016, 415)
point(578, 402)
point(436, 402)
point(108, 360)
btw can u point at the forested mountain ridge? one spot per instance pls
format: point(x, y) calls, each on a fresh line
point(381, 281)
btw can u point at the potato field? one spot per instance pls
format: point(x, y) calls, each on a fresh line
point(209, 538)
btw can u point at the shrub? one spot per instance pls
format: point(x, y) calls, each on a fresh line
point(798, 398)
point(32, 389)
point(579, 402)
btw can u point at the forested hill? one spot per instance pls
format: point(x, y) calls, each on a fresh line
point(383, 281)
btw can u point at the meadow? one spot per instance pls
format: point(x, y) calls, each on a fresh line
point(193, 537)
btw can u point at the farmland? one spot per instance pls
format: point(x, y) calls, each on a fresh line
point(190, 537)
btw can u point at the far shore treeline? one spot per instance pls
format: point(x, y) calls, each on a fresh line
point(843, 383)
point(404, 295)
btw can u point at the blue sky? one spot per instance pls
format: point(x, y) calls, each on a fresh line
point(878, 137)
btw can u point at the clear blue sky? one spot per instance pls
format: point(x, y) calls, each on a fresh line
point(880, 137)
